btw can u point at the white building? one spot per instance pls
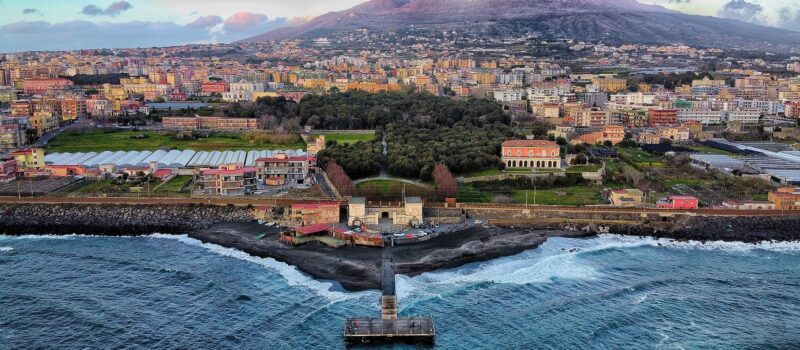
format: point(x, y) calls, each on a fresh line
point(702, 115)
point(744, 116)
point(508, 95)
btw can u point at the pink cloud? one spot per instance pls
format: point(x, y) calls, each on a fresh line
point(244, 20)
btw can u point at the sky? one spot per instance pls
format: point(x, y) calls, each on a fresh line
point(77, 24)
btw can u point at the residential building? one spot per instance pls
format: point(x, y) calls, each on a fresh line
point(593, 117)
point(228, 180)
point(41, 86)
point(674, 134)
point(73, 108)
point(29, 159)
point(22, 108)
point(610, 84)
point(8, 168)
point(702, 115)
point(316, 146)
point(785, 198)
point(659, 117)
point(283, 166)
point(212, 123)
point(44, 122)
point(744, 116)
point(12, 136)
point(533, 154)
point(678, 202)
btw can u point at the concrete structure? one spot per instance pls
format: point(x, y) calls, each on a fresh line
point(40, 86)
point(409, 213)
point(302, 214)
point(630, 197)
point(533, 154)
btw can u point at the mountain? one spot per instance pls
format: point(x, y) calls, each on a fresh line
point(614, 21)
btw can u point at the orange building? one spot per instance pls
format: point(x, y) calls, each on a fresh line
point(786, 198)
point(531, 154)
point(315, 213)
point(658, 117)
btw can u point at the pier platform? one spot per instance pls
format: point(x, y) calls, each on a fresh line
point(418, 330)
point(389, 327)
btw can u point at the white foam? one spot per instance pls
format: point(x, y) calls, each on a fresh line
point(532, 267)
point(621, 241)
point(289, 273)
point(6, 249)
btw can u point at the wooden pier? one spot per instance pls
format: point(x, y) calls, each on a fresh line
point(389, 327)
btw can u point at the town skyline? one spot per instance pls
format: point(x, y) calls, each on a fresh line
point(73, 25)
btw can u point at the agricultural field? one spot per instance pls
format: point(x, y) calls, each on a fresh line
point(575, 195)
point(343, 138)
point(174, 185)
point(95, 140)
point(480, 173)
point(584, 168)
point(391, 189)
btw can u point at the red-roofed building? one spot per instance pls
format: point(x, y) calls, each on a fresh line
point(533, 154)
point(228, 180)
point(678, 202)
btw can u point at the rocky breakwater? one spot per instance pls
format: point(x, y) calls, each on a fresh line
point(749, 229)
point(19, 219)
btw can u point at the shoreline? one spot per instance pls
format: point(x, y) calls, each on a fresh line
point(357, 268)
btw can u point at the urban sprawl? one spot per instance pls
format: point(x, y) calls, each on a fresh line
point(584, 124)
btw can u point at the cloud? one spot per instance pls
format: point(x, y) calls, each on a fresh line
point(241, 21)
point(205, 21)
point(788, 19)
point(741, 10)
point(82, 34)
point(30, 11)
point(112, 10)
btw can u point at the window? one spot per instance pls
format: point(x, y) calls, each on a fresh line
point(519, 153)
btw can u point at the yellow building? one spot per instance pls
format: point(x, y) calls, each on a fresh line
point(43, 122)
point(29, 159)
point(258, 94)
point(610, 84)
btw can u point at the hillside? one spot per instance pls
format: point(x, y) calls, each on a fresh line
point(623, 21)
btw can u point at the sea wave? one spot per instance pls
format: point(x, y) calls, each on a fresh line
point(291, 274)
point(6, 249)
point(609, 241)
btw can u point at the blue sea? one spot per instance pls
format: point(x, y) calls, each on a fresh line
point(606, 292)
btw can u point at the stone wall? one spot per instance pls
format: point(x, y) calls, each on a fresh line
point(16, 219)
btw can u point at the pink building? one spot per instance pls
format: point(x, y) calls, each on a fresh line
point(40, 86)
point(8, 168)
point(678, 202)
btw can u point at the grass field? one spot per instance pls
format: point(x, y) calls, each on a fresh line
point(486, 172)
point(174, 185)
point(128, 140)
point(349, 138)
point(390, 189)
point(706, 149)
point(583, 168)
point(576, 195)
point(100, 186)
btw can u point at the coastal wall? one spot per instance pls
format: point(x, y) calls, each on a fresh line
point(18, 219)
